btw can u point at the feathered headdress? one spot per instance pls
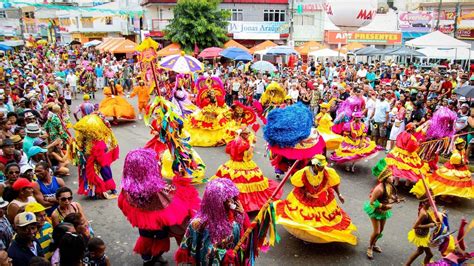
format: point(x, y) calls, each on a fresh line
point(209, 85)
point(274, 93)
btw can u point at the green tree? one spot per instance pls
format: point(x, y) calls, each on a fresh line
point(198, 22)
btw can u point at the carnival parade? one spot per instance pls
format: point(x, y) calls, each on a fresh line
point(212, 152)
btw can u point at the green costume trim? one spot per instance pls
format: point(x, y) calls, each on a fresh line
point(374, 213)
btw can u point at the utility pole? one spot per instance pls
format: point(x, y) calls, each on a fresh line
point(292, 14)
point(458, 5)
point(439, 14)
point(20, 19)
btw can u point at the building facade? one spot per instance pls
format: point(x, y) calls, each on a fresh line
point(251, 21)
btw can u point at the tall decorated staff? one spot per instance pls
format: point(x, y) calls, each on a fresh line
point(147, 58)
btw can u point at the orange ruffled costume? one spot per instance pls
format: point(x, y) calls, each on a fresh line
point(404, 160)
point(255, 189)
point(452, 179)
point(114, 105)
point(311, 213)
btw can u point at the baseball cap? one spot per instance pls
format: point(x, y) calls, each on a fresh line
point(35, 207)
point(22, 183)
point(35, 150)
point(25, 168)
point(24, 219)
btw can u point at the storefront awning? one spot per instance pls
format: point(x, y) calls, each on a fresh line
point(412, 35)
point(124, 47)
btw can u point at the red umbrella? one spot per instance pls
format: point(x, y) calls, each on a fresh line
point(211, 52)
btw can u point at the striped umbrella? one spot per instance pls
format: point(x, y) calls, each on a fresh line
point(182, 63)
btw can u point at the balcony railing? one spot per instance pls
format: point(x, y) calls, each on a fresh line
point(159, 24)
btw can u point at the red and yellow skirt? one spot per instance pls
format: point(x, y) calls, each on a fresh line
point(255, 189)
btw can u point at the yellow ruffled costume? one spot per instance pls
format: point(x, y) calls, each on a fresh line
point(324, 122)
point(114, 105)
point(198, 175)
point(311, 212)
point(209, 126)
point(451, 179)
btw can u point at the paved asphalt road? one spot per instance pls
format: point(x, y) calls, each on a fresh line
point(109, 223)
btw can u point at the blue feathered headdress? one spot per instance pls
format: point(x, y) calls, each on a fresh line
point(287, 126)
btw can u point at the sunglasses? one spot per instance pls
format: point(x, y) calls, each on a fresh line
point(14, 172)
point(64, 199)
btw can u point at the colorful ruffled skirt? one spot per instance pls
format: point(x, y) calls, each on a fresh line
point(315, 218)
point(373, 211)
point(349, 151)
point(255, 189)
point(449, 181)
point(205, 133)
point(406, 165)
point(333, 140)
point(117, 107)
point(419, 241)
point(198, 175)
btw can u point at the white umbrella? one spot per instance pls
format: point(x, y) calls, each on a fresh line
point(263, 66)
point(92, 43)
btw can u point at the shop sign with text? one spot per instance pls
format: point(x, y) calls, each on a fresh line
point(257, 27)
point(381, 38)
point(417, 21)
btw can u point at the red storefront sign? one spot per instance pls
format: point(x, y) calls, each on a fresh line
point(382, 38)
point(465, 34)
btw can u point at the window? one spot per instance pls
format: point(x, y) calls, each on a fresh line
point(87, 22)
point(108, 20)
point(307, 20)
point(3, 14)
point(29, 14)
point(236, 14)
point(274, 15)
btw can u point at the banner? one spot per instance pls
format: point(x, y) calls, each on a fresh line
point(381, 38)
point(258, 27)
point(418, 21)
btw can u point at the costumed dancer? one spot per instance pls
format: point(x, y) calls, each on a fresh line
point(159, 210)
point(217, 227)
point(420, 235)
point(242, 116)
point(143, 92)
point(378, 208)
point(180, 96)
point(209, 126)
point(404, 160)
point(452, 250)
point(356, 145)
point(346, 109)
point(453, 179)
point(114, 105)
point(323, 121)
point(273, 96)
point(171, 147)
point(95, 149)
point(255, 189)
point(290, 135)
point(310, 212)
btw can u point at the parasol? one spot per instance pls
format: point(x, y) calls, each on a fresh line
point(183, 64)
point(466, 91)
point(263, 66)
point(236, 53)
point(211, 52)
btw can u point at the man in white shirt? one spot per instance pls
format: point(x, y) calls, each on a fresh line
point(370, 105)
point(294, 93)
point(71, 79)
point(380, 117)
point(259, 87)
point(362, 72)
